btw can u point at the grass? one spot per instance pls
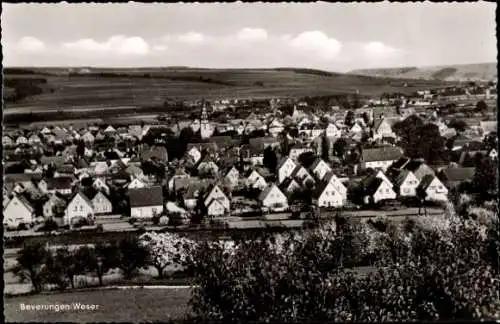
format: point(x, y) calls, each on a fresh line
point(134, 305)
point(128, 87)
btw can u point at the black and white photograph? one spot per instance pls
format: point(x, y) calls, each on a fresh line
point(250, 162)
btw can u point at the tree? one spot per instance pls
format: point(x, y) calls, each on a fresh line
point(99, 259)
point(131, 256)
point(366, 118)
point(458, 124)
point(30, 261)
point(306, 159)
point(325, 148)
point(339, 147)
point(481, 106)
point(270, 159)
point(166, 249)
point(349, 119)
point(50, 225)
point(485, 179)
point(422, 195)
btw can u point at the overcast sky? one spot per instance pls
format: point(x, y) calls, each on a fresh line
point(335, 37)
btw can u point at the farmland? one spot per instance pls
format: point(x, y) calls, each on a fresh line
point(57, 90)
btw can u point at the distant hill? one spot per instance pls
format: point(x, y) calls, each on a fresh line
point(459, 72)
point(57, 89)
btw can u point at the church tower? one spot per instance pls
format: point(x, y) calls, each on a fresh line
point(205, 126)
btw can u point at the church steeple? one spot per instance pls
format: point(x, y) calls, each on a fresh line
point(205, 127)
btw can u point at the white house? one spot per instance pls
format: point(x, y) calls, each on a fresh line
point(302, 176)
point(328, 196)
point(21, 140)
point(216, 193)
point(216, 208)
point(88, 138)
point(380, 158)
point(233, 176)
point(272, 198)
point(320, 168)
point(207, 166)
point(18, 211)
point(382, 128)
point(407, 183)
point(275, 127)
point(101, 204)
point(256, 180)
point(285, 169)
point(296, 151)
point(377, 190)
point(435, 190)
point(146, 202)
point(79, 206)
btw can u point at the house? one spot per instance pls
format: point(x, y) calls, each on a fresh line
point(406, 184)
point(180, 173)
point(327, 195)
point(275, 127)
point(290, 186)
point(48, 206)
point(302, 176)
point(382, 128)
point(194, 154)
point(100, 167)
point(18, 211)
point(45, 131)
point(110, 130)
point(297, 150)
point(146, 202)
point(102, 205)
point(88, 138)
point(285, 169)
point(379, 158)
point(356, 129)
point(261, 143)
point(34, 139)
point(419, 168)
point(256, 180)
point(435, 190)
point(134, 171)
point(61, 185)
point(7, 141)
point(136, 184)
point(380, 174)
point(99, 184)
point(273, 198)
point(320, 168)
point(79, 207)
point(21, 140)
point(216, 193)
point(232, 176)
point(488, 127)
point(333, 131)
point(376, 190)
point(493, 154)
point(215, 208)
point(194, 187)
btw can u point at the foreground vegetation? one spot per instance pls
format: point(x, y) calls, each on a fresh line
point(427, 272)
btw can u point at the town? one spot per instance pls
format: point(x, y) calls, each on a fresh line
point(280, 163)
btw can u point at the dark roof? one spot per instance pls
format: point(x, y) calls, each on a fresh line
point(426, 181)
point(258, 143)
point(142, 197)
point(388, 153)
point(371, 187)
point(22, 177)
point(459, 174)
point(59, 183)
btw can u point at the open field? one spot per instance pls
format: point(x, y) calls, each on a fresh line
point(460, 72)
point(135, 305)
point(123, 88)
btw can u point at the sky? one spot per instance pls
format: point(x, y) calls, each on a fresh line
point(328, 36)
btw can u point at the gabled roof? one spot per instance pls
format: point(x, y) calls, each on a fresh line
point(371, 186)
point(148, 196)
point(22, 177)
point(389, 153)
point(79, 192)
point(23, 201)
point(267, 190)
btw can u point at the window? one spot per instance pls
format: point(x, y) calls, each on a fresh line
point(76, 208)
point(154, 210)
point(81, 207)
point(406, 190)
point(386, 190)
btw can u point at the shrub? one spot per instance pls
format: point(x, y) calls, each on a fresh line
point(132, 220)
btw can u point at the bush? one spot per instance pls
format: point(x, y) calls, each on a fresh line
point(132, 220)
